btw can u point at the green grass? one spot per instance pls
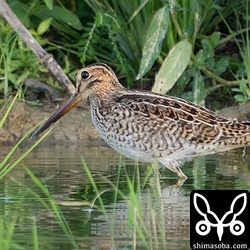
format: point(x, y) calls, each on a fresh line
point(17, 62)
point(153, 237)
point(144, 222)
point(6, 232)
point(51, 206)
point(146, 229)
point(242, 40)
point(7, 225)
point(137, 39)
point(8, 109)
point(7, 164)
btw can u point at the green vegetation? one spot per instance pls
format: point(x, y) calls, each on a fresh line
point(190, 49)
point(8, 163)
point(51, 205)
point(140, 215)
point(144, 221)
point(140, 40)
point(7, 225)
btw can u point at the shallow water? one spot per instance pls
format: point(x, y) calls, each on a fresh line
point(61, 169)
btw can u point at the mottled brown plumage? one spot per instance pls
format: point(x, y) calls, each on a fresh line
point(151, 127)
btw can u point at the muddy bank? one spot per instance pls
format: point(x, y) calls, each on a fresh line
point(75, 127)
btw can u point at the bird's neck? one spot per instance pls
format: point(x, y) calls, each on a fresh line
point(106, 92)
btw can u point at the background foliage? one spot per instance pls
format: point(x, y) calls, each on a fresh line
point(190, 49)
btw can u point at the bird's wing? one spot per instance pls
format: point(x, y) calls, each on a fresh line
point(190, 121)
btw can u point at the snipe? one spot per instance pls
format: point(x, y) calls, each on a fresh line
point(151, 127)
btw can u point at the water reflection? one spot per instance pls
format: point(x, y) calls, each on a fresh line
point(61, 169)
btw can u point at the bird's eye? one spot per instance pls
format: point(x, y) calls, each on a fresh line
point(85, 75)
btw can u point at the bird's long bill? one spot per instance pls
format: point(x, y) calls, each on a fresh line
point(65, 108)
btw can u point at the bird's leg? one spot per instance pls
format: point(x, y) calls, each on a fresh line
point(178, 171)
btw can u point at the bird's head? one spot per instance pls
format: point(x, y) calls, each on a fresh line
point(94, 81)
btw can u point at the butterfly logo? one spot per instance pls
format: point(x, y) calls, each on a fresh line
point(203, 227)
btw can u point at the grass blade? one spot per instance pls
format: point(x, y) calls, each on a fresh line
point(55, 208)
point(92, 181)
point(8, 111)
point(6, 169)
